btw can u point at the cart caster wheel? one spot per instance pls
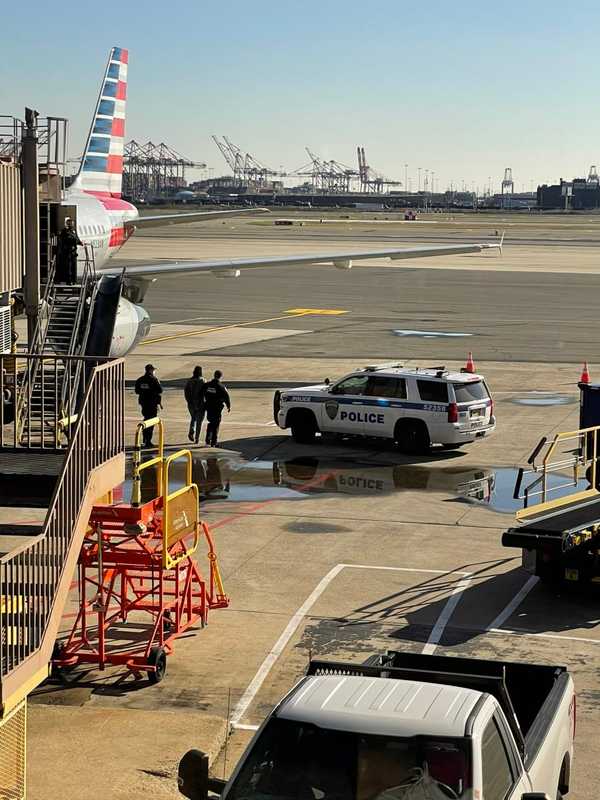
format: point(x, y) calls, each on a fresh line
point(56, 672)
point(158, 659)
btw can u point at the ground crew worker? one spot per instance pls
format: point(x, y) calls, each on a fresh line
point(194, 397)
point(215, 397)
point(149, 392)
point(66, 256)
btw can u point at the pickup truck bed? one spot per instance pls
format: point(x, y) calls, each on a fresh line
point(527, 693)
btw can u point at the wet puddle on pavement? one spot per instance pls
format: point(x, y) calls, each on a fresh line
point(543, 399)
point(231, 479)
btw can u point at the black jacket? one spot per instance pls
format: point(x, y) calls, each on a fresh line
point(148, 389)
point(68, 241)
point(194, 393)
point(216, 396)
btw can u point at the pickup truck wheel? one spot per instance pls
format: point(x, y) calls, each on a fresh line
point(304, 428)
point(412, 437)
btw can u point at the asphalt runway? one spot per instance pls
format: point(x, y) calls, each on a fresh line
point(501, 313)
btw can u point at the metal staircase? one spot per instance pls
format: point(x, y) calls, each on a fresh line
point(45, 505)
point(50, 390)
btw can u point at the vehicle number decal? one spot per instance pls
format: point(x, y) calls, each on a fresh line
point(433, 407)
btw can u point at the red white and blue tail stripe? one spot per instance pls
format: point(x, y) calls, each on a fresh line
point(101, 169)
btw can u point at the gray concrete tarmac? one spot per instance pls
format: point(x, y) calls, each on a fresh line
point(407, 551)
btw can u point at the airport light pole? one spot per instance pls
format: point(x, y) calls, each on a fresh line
point(419, 183)
point(405, 178)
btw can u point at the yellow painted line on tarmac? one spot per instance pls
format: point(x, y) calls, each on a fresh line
point(291, 314)
point(319, 311)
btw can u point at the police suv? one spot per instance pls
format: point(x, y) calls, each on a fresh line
point(415, 407)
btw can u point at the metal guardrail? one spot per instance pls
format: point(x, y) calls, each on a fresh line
point(52, 372)
point(581, 458)
point(30, 575)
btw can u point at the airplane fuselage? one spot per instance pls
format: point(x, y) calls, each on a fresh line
point(104, 222)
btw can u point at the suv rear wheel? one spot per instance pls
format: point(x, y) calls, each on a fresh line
point(412, 437)
point(304, 427)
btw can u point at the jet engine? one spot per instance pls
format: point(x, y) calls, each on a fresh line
point(132, 324)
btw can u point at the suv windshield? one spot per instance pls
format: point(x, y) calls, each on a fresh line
point(299, 761)
point(467, 392)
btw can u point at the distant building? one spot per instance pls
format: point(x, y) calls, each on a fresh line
point(577, 195)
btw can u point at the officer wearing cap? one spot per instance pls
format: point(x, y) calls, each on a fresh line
point(149, 392)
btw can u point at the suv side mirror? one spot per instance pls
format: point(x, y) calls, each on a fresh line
point(192, 775)
point(326, 381)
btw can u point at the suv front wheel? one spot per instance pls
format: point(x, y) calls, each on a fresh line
point(412, 437)
point(304, 427)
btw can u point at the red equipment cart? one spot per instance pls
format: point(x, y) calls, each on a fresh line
point(137, 563)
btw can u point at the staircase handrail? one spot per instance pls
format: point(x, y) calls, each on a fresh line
point(31, 575)
point(37, 345)
point(70, 388)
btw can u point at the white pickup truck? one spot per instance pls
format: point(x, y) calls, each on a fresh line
point(406, 726)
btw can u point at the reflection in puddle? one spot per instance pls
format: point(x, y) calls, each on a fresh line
point(543, 399)
point(501, 497)
point(226, 478)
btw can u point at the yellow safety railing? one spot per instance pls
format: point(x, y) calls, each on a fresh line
point(181, 512)
point(581, 459)
point(137, 465)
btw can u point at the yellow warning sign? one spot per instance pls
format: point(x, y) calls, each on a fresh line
point(321, 311)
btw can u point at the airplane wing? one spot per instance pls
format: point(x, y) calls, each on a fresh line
point(231, 268)
point(155, 220)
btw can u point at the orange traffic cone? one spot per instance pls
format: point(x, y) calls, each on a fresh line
point(585, 374)
point(470, 366)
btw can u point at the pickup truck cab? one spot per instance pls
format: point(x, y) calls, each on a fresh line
point(414, 407)
point(405, 726)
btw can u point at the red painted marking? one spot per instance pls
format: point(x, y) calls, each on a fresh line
point(257, 506)
point(118, 127)
point(117, 237)
point(115, 165)
point(111, 202)
point(121, 91)
point(124, 56)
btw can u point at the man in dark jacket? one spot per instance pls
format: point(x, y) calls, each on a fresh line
point(149, 392)
point(66, 256)
point(215, 397)
point(194, 397)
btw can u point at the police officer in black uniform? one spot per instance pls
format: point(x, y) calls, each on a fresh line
point(66, 257)
point(215, 397)
point(149, 392)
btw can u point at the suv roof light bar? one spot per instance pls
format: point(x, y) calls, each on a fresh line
point(376, 367)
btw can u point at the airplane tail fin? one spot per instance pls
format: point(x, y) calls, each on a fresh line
point(101, 170)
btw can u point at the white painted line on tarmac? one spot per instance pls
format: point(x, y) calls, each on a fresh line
point(295, 622)
point(508, 609)
point(538, 635)
point(443, 619)
point(264, 669)
point(240, 726)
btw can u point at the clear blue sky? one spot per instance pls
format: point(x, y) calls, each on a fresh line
point(463, 88)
